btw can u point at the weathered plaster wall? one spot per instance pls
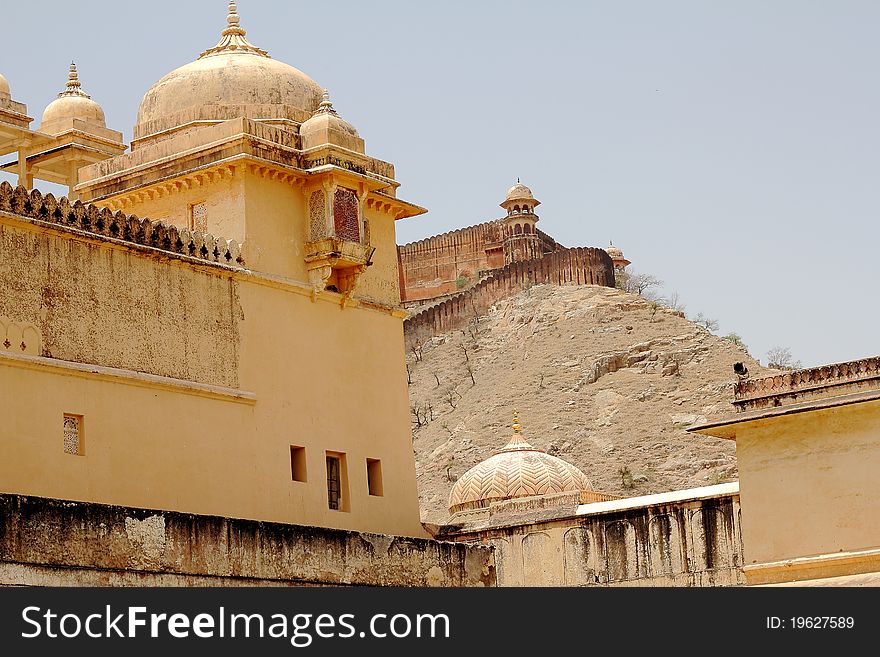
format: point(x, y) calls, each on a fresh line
point(695, 542)
point(581, 266)
point(96, 303)
point(48, 542)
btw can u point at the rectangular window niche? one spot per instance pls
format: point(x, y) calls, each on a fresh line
point(337, 482)
point(298, 463)
point(74, 435)
point(374, 477)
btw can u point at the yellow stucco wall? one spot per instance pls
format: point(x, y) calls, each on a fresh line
point(809, 483)
point(322, 377)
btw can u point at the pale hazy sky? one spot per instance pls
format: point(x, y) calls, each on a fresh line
point(730, 148)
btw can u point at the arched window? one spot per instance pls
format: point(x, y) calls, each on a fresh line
point(516, 209)
point(517, 230)
point(525, 208)
point(527, 229)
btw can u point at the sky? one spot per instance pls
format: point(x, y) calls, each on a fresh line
point(729, 148)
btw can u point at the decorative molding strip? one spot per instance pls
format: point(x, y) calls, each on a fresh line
point(128, 377)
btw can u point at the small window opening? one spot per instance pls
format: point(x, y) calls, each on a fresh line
point(374, 477)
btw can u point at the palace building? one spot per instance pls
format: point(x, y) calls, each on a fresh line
point(203, 375)
point(210, 322)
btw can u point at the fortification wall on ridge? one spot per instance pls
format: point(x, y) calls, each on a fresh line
point(577, 266)
point(431, 267)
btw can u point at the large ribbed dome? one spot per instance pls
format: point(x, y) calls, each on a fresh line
point(232, 79)
point(518, 470)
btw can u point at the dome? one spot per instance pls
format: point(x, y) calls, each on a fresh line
point(233, 79)
point(72, 103)
point(326, 127)
point(4, 86)
point(519, 192)
point(518, 470)
point(614, 252)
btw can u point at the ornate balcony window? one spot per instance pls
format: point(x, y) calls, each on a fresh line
point(337, 252)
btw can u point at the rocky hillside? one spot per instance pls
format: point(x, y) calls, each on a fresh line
point(601, 378)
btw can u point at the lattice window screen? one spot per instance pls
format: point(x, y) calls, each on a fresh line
point(345, 215)
point(72, 427)
point(317, 219)
point(199, 217)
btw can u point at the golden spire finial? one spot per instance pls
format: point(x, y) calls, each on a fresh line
point(517, 441)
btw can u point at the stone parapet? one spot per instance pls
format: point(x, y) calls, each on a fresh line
point(807, 384)
point(102, 222)
point(54, 542)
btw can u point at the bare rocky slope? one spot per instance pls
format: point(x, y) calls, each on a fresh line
point(601, 378)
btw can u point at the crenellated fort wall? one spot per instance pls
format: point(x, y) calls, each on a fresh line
point(578, 266)
point(433, 266)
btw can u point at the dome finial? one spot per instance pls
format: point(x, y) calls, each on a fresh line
point(517, 180)
point(232, 17)
point(326, 107)
point(74, 86)
point(517, 441)
point(73, 78)
point(232, 39)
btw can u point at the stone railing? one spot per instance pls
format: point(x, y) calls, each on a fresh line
point(369, 167)
point(801, 385)
point(128, 228)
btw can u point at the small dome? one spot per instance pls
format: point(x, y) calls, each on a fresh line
point(233, 79)
point(614, 252)
point(4, 86)
point(72, 103)
point(519, 192)
point(518, 470)
point(326, 127)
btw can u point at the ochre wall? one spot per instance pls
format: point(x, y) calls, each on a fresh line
point(268, 217)
point(285, 370)
point(809, 483)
